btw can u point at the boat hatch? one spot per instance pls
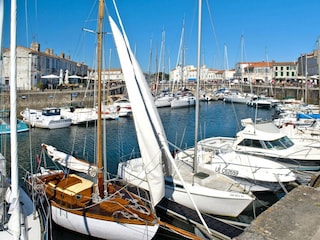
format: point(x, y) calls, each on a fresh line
point(201, 175)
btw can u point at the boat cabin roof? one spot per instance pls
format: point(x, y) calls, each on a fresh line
point(51, 111)
point(262, 131)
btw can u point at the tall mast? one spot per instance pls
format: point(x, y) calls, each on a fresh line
point(195, 162)
point(99, 122)
point(14, 225)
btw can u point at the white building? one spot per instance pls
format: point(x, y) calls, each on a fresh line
point(32, 64)
point(188, 74)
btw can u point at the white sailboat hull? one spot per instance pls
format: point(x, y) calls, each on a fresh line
point(186, 101)
point(80, 115)
point(208, 200)
point(102, 229)
point(30, 226)
point(164, 101)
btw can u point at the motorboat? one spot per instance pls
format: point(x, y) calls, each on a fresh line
point(266, 140)
point(255, 173)
point(260, 102)
point(49, 118)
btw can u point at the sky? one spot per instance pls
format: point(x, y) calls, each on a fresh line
point(232, 30)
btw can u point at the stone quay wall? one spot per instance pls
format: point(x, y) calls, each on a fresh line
point(56, 98)
point(66, 97)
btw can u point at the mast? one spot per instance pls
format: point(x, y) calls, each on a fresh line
point(99, 122)
point(180, 58)
point(14, 222)
point(306, 79)
point(195, 162)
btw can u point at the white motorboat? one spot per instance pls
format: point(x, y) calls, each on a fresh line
point(253, 172)
point(266, 140)
point(49, 118)
point(306, 135)
point(260, 102)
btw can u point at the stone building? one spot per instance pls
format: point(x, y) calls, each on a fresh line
point(308, 66)
point(284, 71)
point(32, 65)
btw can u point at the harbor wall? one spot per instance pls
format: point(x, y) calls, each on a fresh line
point(66, 97)
point(56, 98)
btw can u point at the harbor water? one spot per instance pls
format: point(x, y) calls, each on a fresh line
point(215, 119)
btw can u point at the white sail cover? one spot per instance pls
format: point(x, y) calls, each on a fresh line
point(147, 138)
point(71, 162)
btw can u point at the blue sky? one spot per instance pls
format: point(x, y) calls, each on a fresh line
point(279, 30)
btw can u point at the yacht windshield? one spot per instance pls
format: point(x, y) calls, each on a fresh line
point(281, 143)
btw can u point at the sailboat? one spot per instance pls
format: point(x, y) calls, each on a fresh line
point(163, 98)
point(184, 97)
point(206, 191)
point(18, 219)
point(104, 209)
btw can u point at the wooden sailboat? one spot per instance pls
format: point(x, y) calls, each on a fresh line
point(104, 209)
point(18, 220)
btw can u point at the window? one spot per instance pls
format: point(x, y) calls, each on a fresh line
point(251, 143)
point(282, 143)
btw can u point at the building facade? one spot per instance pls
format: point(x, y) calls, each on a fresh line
point(33, 65)
point(284, 71)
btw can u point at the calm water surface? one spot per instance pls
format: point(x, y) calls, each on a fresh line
point(215, 119)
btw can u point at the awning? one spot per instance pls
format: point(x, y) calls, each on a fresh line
point(50, 76)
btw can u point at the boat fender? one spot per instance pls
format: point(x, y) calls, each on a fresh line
point(92, 172)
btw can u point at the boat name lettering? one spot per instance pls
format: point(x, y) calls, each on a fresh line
point(227, 171)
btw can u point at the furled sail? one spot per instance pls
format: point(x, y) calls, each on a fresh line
point(147, 138)
point(71, 162)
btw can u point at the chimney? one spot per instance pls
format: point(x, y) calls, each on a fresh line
point(35, 46)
